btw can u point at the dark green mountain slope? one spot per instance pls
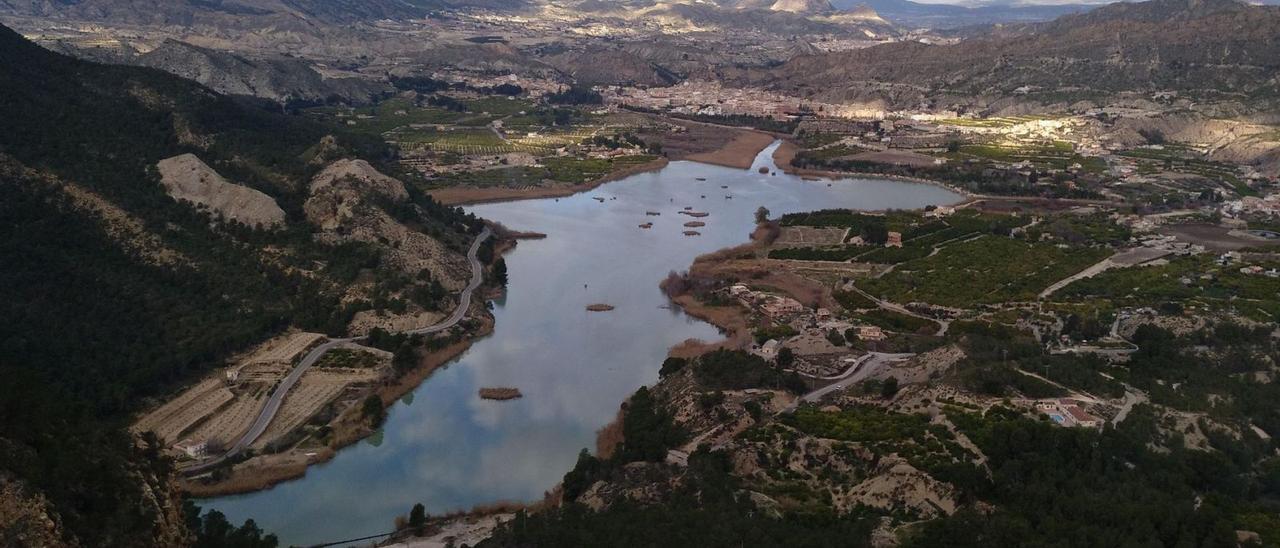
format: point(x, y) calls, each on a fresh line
point(119, 297)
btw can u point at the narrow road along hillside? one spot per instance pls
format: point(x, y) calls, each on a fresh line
point(277, 397)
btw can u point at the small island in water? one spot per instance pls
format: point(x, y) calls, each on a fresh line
point(501, 394)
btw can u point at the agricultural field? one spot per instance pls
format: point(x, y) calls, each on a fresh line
point(1191, 282)
point(986, 270)
point(1055, 155)
point(171, 420)
point(804, 235)
point(832, 152)
point(315, 389)
point(919, 235)
point(233, 421)
point(388, 115)
point(995, 122)
point(505, 177)
point(464, 141)
point(348, 358)
point(550, 140)
point(582, 170)
point(499, 106)
point(1179, 159)
point(896, 321)
point(553, 170)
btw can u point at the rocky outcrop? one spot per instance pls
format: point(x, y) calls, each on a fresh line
point(897, 486)
point(187, 178)
point(357, 177)
point(348, 201)
point(1223, 140)
point(278, 79)
point(803, 6)
point(25, 517)
point(609, 67)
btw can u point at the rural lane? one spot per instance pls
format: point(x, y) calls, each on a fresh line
point(872, 364)
point(277, 397)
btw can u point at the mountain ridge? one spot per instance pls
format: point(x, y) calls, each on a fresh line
point(1114, 49)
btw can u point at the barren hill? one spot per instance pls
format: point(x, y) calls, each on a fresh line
point(1218, 49)
point(185, 177)
point(274, 78)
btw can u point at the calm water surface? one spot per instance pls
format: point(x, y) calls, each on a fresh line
point(445, 447)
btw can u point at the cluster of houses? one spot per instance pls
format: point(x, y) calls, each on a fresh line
point(893, 239)
point(778, 308)
point(1255, 270)
point(1069, 413)
point(1253, 205)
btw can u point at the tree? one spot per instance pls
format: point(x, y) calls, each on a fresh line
point(762, 215)
point(373, 409)
point(672, 365)
point(875, 233)
point(405, 358)
point(576, 95)
point(418, 519)
point(647, 429)
point(500, 271)
point(889, 388)
point(786, 357)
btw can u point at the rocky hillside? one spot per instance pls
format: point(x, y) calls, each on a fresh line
point(156, 227)
point(717, 454)
point(246, 12)
point(610, 67)
point(277, 79)
point(1215, 50)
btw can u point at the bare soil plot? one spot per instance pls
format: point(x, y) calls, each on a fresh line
point(230, 423)
point(810, 236)
point(152, 420)
point(287, 350)
point(190, 410)
point(315, 389)
point(1212, 237)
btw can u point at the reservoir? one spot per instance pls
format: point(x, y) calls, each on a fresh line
point(445, 447)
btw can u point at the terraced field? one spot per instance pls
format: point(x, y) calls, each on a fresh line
point(989, 269)
point(996, 122)
point(1056, 155)
point(315, 389)
point(184, 411)
point(231, 422)
point(288, 350)
point(1176, 159)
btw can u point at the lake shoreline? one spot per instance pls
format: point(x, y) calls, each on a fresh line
point(739, 153)
point(473, 196)
point(785, 153)
point(277, 468)
point(483, 439)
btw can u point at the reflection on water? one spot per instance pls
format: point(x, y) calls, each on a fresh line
point(450, 449)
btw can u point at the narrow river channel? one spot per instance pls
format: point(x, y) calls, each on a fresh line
point(445, 447)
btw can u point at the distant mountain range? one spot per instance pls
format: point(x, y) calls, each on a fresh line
point(1209, 50)
point(946, 16)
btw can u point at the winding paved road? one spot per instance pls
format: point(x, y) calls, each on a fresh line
point(277, 397)
point(870, 365)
